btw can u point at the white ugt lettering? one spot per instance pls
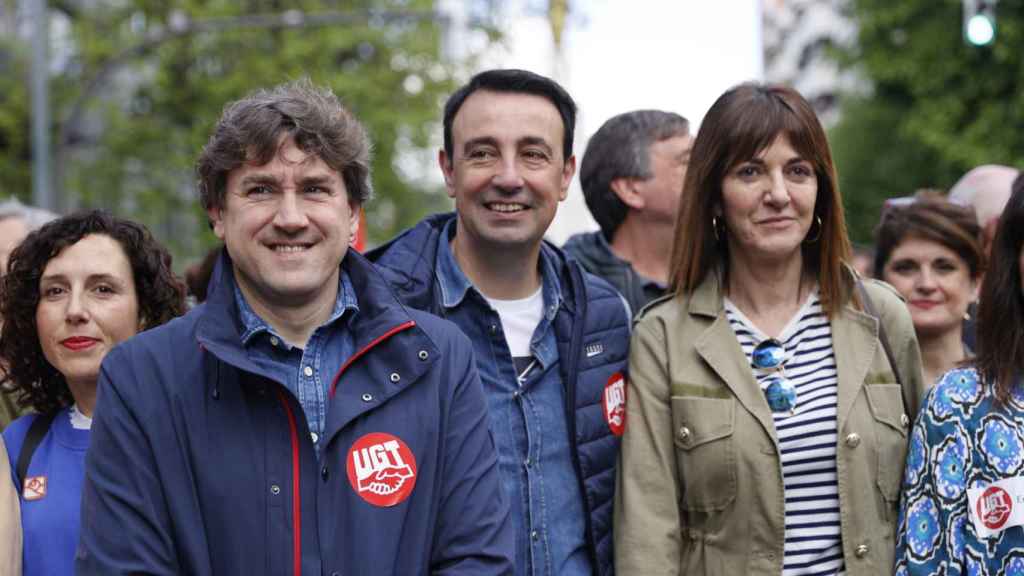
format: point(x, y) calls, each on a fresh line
point(374, 458)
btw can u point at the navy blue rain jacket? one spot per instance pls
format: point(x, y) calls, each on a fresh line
point(200, 464)
point(592, 330)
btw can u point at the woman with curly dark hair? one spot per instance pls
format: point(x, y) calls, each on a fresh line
point(74, 289)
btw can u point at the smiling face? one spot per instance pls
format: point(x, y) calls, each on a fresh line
point(287, 225)
point(768, 203)
point(507, 173)
point(935, 281)
point(87, 304)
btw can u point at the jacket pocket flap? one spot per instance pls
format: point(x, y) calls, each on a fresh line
point(886, 402)
point(698, 420)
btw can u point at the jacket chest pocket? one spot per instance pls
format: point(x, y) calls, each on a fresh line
point(705, 458)
point(891, 424)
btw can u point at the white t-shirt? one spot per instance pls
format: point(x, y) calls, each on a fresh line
point(79, 421)
point(519, 319)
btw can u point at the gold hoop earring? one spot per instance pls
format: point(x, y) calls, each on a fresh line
point(818, 235)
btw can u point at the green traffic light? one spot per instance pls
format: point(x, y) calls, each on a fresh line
point(981, 30)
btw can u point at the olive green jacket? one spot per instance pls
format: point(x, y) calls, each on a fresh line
point(699, 484)
point(10, 520)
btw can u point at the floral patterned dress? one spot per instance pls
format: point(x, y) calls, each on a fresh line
point(961, 441)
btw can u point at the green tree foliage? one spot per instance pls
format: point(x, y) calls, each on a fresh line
point(144, 82)
point(938, 106)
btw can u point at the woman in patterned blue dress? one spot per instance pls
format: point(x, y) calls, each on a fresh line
point(962, 507)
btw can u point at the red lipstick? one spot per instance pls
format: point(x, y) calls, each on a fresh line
point(78, 342)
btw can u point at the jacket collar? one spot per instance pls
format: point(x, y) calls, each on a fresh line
point(411, 262)
point(854, 342)
point(220, 327)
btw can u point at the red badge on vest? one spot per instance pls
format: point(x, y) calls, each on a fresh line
point(381, 469)
point(615, 404)
point(994, 507)
point(34, 488)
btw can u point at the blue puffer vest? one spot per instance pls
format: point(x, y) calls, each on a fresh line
point(592, 329)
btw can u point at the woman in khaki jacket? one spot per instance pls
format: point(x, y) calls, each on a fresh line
point(10, 520)
point(766, 427)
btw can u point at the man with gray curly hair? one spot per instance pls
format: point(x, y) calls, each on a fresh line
point(632, 177)
point(300, 420)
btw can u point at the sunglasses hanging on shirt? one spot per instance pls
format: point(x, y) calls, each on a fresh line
point(780, 392)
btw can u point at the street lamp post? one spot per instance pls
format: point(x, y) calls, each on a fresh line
point(42, 192)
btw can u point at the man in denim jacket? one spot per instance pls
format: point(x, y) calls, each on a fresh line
point(550, 340)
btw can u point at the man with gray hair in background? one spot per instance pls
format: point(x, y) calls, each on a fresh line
point(632, 176)
point(987, 189)
point(16, 221)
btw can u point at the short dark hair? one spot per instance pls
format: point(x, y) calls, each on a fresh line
point(621, 149)
point(250, 130)
point(512, 80)
point(1000, 356)
point(941, 221)
point(161, 297)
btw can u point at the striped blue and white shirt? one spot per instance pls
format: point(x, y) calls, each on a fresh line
point(807, 437)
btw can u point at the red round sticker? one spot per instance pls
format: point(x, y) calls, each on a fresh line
point(381, 469)
point(994, 507)
point(615, 404)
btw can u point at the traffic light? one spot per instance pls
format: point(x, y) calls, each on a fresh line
point(979, 22)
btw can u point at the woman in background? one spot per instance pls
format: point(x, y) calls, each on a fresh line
point(766, 417)
point(74, 289)
point(930, 251)
point(963, 485)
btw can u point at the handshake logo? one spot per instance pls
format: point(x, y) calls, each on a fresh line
point(381, 469)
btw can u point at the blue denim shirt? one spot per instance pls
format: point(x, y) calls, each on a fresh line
point(308, 372)
point(528, 422)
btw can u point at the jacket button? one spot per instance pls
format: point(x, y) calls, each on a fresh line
point(534, 535)
point(423, 355)
point(853, 440)
point(395, 377)
point(861, 551)
point(684, 433)
point(904, 420)
point(323, 473)
point(494, 328)
point(275, 489)
point(308, 371)
point(367, 397)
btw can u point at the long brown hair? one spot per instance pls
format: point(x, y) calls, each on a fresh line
point(745, 120)
point(1000, 356)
